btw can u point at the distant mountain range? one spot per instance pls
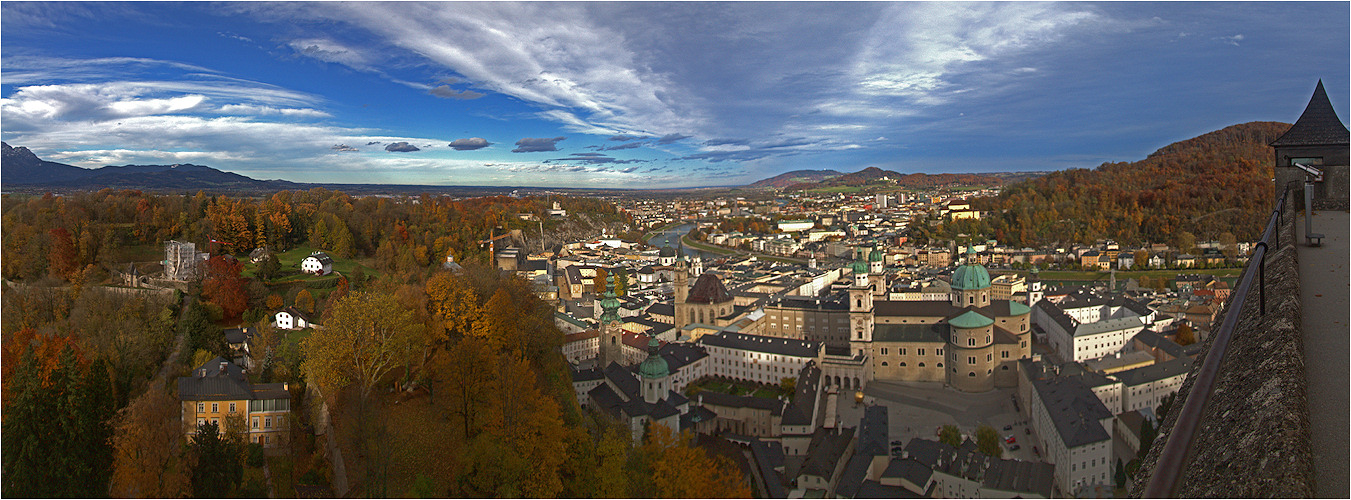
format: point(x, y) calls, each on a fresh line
point(20, 167)
point(808, 179)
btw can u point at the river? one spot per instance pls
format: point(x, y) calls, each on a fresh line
point(673, 235)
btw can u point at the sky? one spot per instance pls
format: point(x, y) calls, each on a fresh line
point(647, 94)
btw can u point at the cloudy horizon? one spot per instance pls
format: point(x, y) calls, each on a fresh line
point(648, 94)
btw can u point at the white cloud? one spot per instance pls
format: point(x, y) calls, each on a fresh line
point(912, 49)
point(554, 55)
point(252, 109)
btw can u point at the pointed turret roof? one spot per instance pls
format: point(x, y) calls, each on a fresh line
point(1318, 126)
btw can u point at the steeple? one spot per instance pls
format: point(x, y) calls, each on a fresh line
point(610, 304)
point(1318, 126)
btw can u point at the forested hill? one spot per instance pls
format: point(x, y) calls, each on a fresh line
point(872, 175)
point(1215, 183)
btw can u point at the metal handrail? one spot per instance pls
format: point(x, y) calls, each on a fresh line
point(1176, 451)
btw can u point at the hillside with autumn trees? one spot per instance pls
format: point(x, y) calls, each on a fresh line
point(1212, 184)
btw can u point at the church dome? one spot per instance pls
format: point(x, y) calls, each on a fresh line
point(875, 256)
point(970, 276)
point(860, 267)
point(655, 365)
point(667, 251)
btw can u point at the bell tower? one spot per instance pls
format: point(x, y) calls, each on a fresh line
point(860, 310)
point(611, 335)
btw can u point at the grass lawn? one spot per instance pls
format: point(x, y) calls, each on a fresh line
point(290, 263)
point(737, 389)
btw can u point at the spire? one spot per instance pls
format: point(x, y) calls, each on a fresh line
point(1318, 126)
point(609, 305)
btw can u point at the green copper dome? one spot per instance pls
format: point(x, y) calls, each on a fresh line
point(860, 267)
point(609, 305)
point(655, 365)
point(970, 276)
point(875, 256)
point(970, 319)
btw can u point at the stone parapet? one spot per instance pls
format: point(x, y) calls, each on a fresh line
point(1253, 439)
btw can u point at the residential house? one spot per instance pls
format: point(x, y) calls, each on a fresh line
point(219, 390)
point(318, 263)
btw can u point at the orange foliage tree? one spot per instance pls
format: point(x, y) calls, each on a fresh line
point(224, 286)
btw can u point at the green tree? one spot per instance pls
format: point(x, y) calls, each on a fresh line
point(56, 433)
point(788, 385)
point(951, 435)
point(1120, 474)
point(218, 470)
point(269, 268)
point(987, 440)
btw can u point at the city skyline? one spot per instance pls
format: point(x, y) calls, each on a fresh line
point(648, 94)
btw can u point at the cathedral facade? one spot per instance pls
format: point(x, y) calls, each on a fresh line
point(969, 342)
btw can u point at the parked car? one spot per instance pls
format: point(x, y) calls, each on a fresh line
point(1014, 447)
point(897, 443)
point(1008, 427)
point(1028, 431)
point(1009, 439)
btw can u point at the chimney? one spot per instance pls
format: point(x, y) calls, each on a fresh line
point(223, 365)
point(201, 373)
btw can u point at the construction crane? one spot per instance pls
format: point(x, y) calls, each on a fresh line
point(491, 242)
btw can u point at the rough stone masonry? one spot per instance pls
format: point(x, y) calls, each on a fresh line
point(1253, 440)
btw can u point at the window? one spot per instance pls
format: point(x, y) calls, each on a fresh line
point(267, 422)
point(201, 422)
point(201, 407)
point(971, 374)
point(920, 351)
point(939, 352)
point(971, 360)
point(216, 421)
point(971, 341)
point(989, 357)
point(215, 407)
point(255, 422)
point(884, 363)
point(921, 364)
point(232, 407)
point(1004, 354)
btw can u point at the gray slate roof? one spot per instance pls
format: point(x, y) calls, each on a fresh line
point(1074, 410)
point(1155, 372)
point(1317, 126)
point(763, 344)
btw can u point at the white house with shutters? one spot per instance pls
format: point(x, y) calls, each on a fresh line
point(317, 263)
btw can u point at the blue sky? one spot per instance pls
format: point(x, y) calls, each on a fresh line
point(648, 94)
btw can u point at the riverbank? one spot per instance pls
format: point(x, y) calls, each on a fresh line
point(715, 249)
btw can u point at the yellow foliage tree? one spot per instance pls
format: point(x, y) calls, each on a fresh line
point(305, 302)
point(681, 470)
point(453, 305)
point(364, 338)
